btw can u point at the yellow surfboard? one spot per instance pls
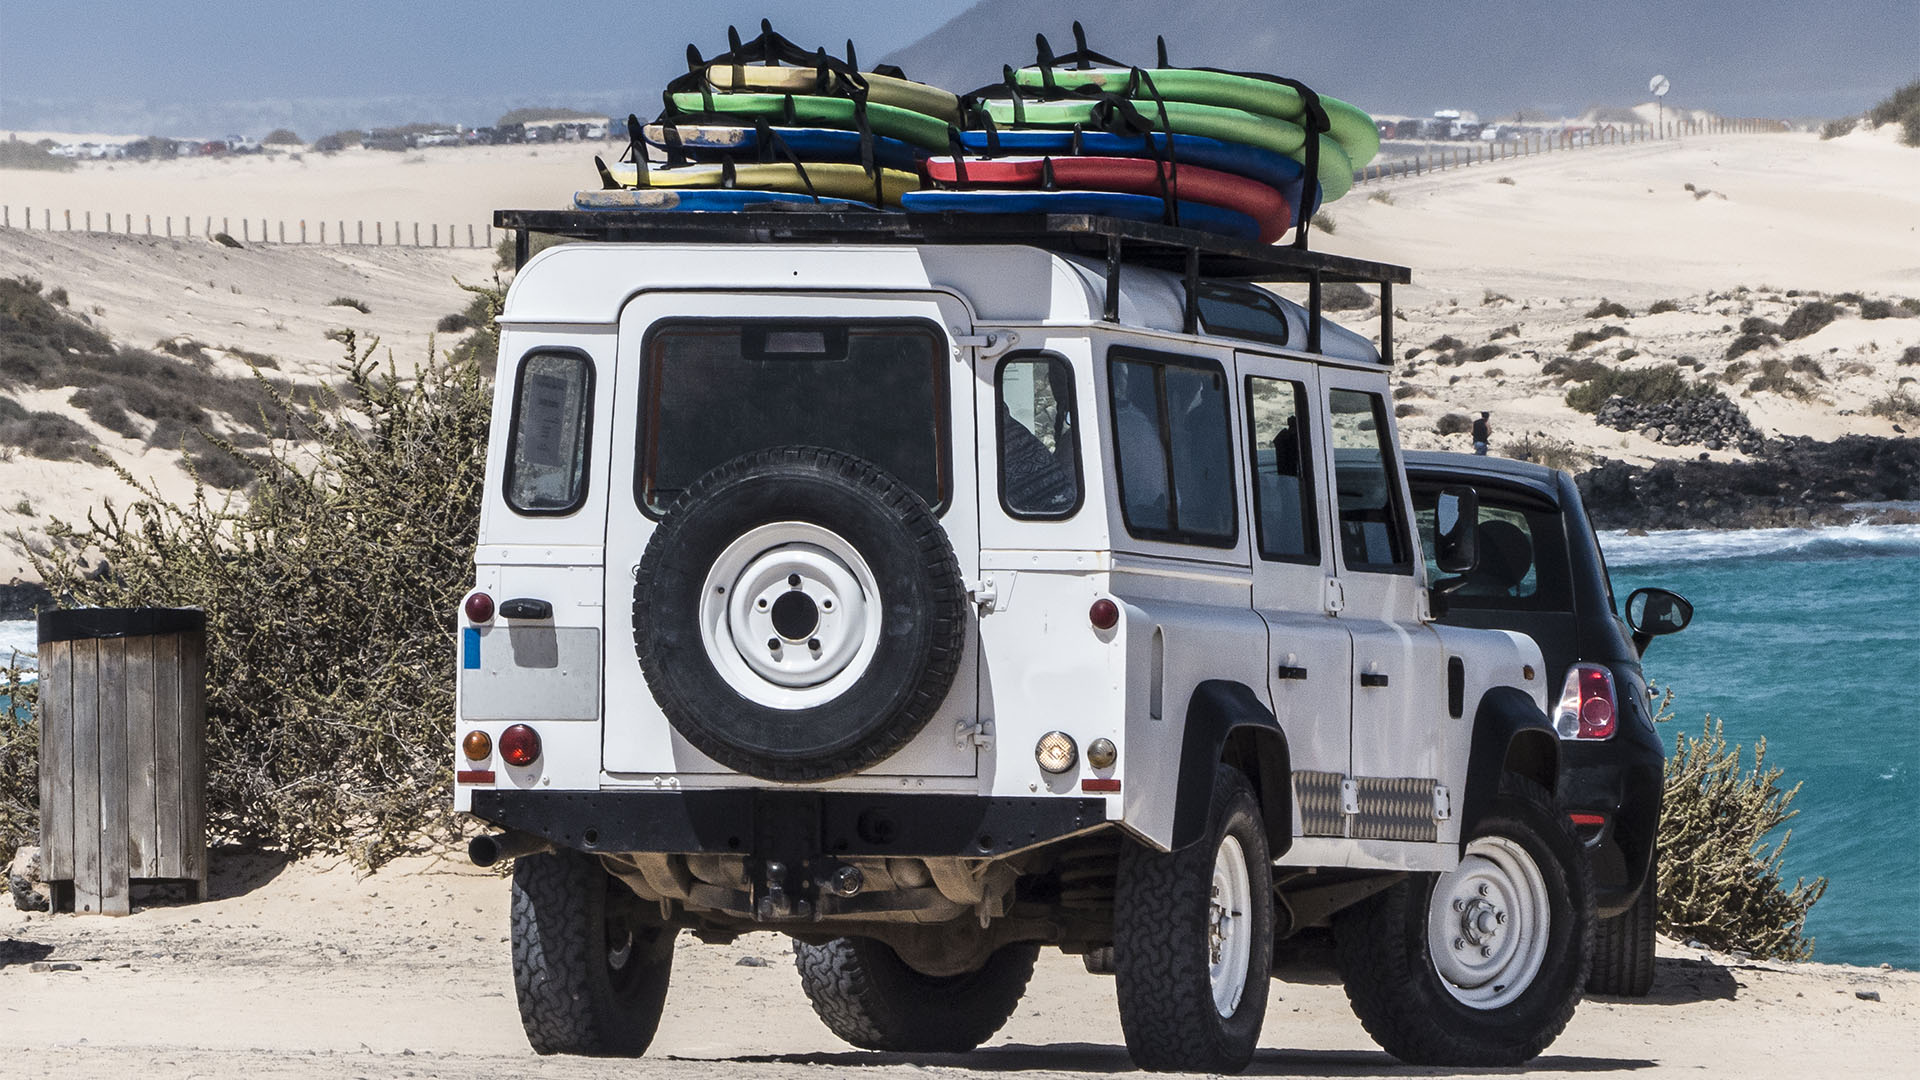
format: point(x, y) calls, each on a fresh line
point(881, 89)
point(830, 179)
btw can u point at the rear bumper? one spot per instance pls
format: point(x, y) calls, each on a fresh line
point(1622, 784)
point(789, 825)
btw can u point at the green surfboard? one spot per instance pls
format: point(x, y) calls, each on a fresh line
point(1187, 118)
point(903, 124)
point(1350, 125)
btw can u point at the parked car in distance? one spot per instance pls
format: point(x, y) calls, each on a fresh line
point(1541, 572)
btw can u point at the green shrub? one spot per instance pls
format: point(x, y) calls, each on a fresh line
point(1775, 376)
point(1406, 409)
point(1345, 296)
point(328, 598)
point(1445, 343)
point(1808, 319)
point(1566, 369)
point(1876, 309)
point(1510, 330)
point(1900, 107)
point(1488, 297)
point(1747, 342)
point(536, 243)
point(349, 302)
point(1454, 424)
point(1324, 222)
point(1661, 307)
point(1488, 352)
point(1584, 338)
point(19, 759)
point(1644, 385)
point(1898, 405)
point(1609, 309)
point(15, 154)
point(282, 137)
point(1541, 450)
point(1720, 875)
point(1833, 129)
point(1911, 356)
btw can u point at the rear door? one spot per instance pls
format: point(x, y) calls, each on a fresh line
point(703, 378)
point(1310, 654)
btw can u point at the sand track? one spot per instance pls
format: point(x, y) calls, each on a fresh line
point(312, 971)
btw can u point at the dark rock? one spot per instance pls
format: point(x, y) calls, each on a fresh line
point(1794, 481)
point(1867, 995)
point(20, 599)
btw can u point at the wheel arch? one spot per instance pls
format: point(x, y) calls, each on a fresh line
point(1510, 735)
point(1227, 723)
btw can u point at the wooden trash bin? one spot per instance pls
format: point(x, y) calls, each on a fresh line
point(122, 753)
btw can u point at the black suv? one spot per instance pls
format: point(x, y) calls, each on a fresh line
point(1541, 573)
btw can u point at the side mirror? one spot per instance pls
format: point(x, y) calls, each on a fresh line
point(1456, 530)
point(1653, 612)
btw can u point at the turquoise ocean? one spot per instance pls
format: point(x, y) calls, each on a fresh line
point(1809, 638)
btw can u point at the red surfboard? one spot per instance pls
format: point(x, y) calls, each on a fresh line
point(1134, 176)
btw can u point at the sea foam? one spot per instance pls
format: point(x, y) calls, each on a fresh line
point(1680, 546)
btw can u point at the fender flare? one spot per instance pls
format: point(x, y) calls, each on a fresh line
point(1227, 721)
point(1510, 734)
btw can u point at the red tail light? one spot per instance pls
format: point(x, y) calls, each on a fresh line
point(1588, 708)
point(519, 745)
point(479, 607)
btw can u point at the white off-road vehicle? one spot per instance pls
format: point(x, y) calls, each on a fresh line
point(935, 590)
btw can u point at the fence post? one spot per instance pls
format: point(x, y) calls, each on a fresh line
point(379, 232)
point(303, 230)
point(323, 231)
point(169, 226)
point(360, 232)
point(340, 233)
point(489, 236)
point(469, 234)
point(416, 234)
point(436, 235)
point(6, 217)
point(46, 218)
point(90, 221)
point(29, 225)
point(69, 216)
point(246, 229)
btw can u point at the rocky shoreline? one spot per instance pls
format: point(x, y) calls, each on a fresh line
point(1793, 482)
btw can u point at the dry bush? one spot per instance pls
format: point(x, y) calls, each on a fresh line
point(19, 759)
point(329, 601)
point(1720, 876)
point(1644, 386)
point(1661, 307)
point(1898, 405)
point(1584, 338)
point(1542, 450)
point(1454, 424)
point(1609, 309)
point(1808, 319)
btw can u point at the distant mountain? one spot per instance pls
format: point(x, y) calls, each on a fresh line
point(1736, 57)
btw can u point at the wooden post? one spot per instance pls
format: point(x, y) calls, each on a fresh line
point(149, 224)
point(303, 230)
point(69, 216)
point(378, 230)
point(46, 218)
point(6, 217)
point(129, 229)
point(246, 229)
point(323, 231)
point(469, 234)
point(416, 234)
point(436, 235)
point(122, 758)
point(90, 221)
point(341, 232)
point(226, 228)
point(359, 232)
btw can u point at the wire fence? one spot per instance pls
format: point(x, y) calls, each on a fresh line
point(252, 230)
point(1417, 157)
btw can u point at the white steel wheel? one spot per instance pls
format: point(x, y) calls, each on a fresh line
point(790, 615)
point(1488, 924)
point(1229, 929)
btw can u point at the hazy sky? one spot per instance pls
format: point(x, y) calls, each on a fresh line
point(208, 64)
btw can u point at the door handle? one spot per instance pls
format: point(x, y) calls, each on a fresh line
point(1372, 678)
point(526, 608)
point(1290, 672)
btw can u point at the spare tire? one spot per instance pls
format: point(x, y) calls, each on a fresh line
point(799, 614)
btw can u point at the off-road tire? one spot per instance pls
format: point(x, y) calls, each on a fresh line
point(1161, 957)
point(868, 996)
point(922, 631)
point(1382, 953)
point(1623, 948)
point(573, 998)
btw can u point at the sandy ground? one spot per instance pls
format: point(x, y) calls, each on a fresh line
point(313, 971)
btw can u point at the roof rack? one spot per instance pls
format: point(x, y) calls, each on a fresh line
point(1190, 252)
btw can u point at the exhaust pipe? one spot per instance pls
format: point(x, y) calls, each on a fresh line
point(489, 849)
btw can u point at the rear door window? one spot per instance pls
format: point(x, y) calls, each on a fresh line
point(1172, 437)
point(1373, 535)
point(1283, 476)
point(1038, 429)
point(716, 390)
point(1523, 555)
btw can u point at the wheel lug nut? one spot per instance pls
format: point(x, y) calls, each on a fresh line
point(1459, 905)
point(1458, 944)
point(773, 644)
point(793, 580)
point(814, 644)
point(1486, 951)
point(1500, 917)
point(1483, 889)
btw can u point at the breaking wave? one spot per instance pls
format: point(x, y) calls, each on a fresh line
point(1681, 546)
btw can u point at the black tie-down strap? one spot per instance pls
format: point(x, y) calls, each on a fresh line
point(768, 142)
point(833, 77)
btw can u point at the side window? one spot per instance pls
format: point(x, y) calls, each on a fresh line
point(1524, 562)
point(547, 449)
point(1283, 505)
point(1372, 534)
point(1175, 448)
point(1038, 429)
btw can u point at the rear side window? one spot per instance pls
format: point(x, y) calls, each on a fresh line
point(1038, 428)
point(1283, 504)
point(1372, 534)
point(1174, 444)
point(717, 390)
point(552, 419)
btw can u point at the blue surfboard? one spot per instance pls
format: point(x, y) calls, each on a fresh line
point(1193, 215)
point(1256, 163)
point(710, 142)
point(705, 199)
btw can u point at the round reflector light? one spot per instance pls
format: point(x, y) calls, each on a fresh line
point(1104, 614)
point(479, 608)
point(478, 745)
point(1056, 752)
point(520, 745)
point(1101, 753)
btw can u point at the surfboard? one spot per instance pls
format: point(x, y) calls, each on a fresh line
point(904, 124)
point(1350, 125)
point(881, 89)
point(1274, 170)
point(1186, 118)
point(707, 142)
point(1136, 176)
point(840, 180)
point(706, 199)
point(1193, 215)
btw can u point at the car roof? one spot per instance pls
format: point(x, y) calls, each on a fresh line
point(1434, 464)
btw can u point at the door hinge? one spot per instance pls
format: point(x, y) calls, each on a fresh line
point(989, 344)
point(1442, 803)
point(1349, 797)
point(985, 594)
point(1335, 596)
point(975, 733)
